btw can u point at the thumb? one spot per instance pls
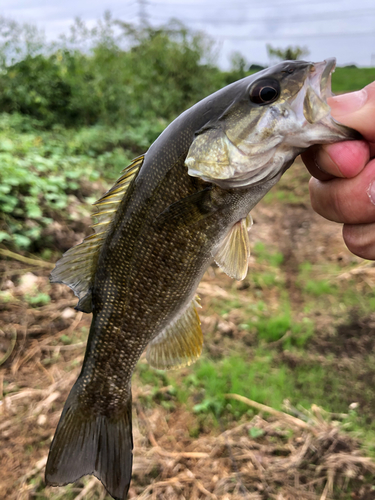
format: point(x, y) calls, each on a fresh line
point(356, 110)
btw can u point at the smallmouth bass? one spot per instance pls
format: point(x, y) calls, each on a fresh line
point(183, 204)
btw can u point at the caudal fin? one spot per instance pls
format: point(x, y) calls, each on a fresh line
point(92, 444)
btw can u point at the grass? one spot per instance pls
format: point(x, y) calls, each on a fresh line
point(320, 286)
point(262, 378)
point(348, 79)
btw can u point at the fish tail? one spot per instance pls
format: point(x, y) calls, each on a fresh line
point(92, 444)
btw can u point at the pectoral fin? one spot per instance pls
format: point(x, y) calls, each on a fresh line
point(233, 255)
point(180, 344)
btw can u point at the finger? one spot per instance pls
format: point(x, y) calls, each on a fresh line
point(351, 201)
point(344, 159)
point(350, 158)
point(360, 239)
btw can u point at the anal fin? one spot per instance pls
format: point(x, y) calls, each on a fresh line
point(180, 344)
point(233, 255)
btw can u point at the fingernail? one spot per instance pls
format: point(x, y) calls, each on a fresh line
point(371, 191)
point(348, 103)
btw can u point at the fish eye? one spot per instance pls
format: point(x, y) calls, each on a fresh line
point(264, 91)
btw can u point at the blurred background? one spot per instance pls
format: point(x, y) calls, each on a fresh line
point(84, 88)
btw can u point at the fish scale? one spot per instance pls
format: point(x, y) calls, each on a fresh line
point(172, 211)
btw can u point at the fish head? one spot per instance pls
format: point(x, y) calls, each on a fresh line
point(274, 115)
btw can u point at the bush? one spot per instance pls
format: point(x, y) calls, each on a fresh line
point(159, 74)
point(36, 86)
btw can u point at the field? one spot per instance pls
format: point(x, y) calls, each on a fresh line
point(349, 79)
point(281, 403)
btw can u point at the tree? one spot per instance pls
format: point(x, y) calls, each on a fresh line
point(290, 53)
point(18, 41)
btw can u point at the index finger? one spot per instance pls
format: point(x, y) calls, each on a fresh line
point(342, 159)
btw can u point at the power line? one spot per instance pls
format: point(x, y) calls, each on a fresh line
point(143, 17)
point(296, 35)
point(331, 16)
point(240, 6)
point(235, 5)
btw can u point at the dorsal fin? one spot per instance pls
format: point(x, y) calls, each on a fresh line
point(234, 252)
point(77, 266)
point(180, 344)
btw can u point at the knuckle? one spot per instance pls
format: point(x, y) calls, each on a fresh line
point(360, 239)
point(341, 206)
point(329, 201)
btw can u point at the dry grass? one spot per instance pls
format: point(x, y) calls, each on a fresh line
point(280, 457)
point(289, 459)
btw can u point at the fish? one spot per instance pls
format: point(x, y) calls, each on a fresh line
point(175, 210)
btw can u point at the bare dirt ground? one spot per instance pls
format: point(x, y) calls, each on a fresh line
point(271, 456)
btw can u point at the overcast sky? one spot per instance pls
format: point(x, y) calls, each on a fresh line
point(341, 28)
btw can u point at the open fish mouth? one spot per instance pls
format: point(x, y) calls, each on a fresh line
point(317, 90)
point(320, 77)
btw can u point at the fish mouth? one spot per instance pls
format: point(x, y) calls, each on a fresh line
point(315, 106)
point(320, 77)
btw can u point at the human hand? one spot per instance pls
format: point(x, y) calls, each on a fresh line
point(343, 185)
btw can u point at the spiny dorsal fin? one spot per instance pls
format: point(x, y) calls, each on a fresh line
point(180, 344)
point(77, 266)
point(233, 255)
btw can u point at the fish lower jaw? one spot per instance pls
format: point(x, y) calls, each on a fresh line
point(324, 131)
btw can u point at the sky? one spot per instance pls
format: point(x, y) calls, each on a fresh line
point(344, 29)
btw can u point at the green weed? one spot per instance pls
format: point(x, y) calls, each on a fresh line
point(256, 379)
point(40, 299)
point(65, 339)
point(282, 196)
point(225, 306)
point(150, 376)
point(319, 287)
point(254, 432)
point(275, 327)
